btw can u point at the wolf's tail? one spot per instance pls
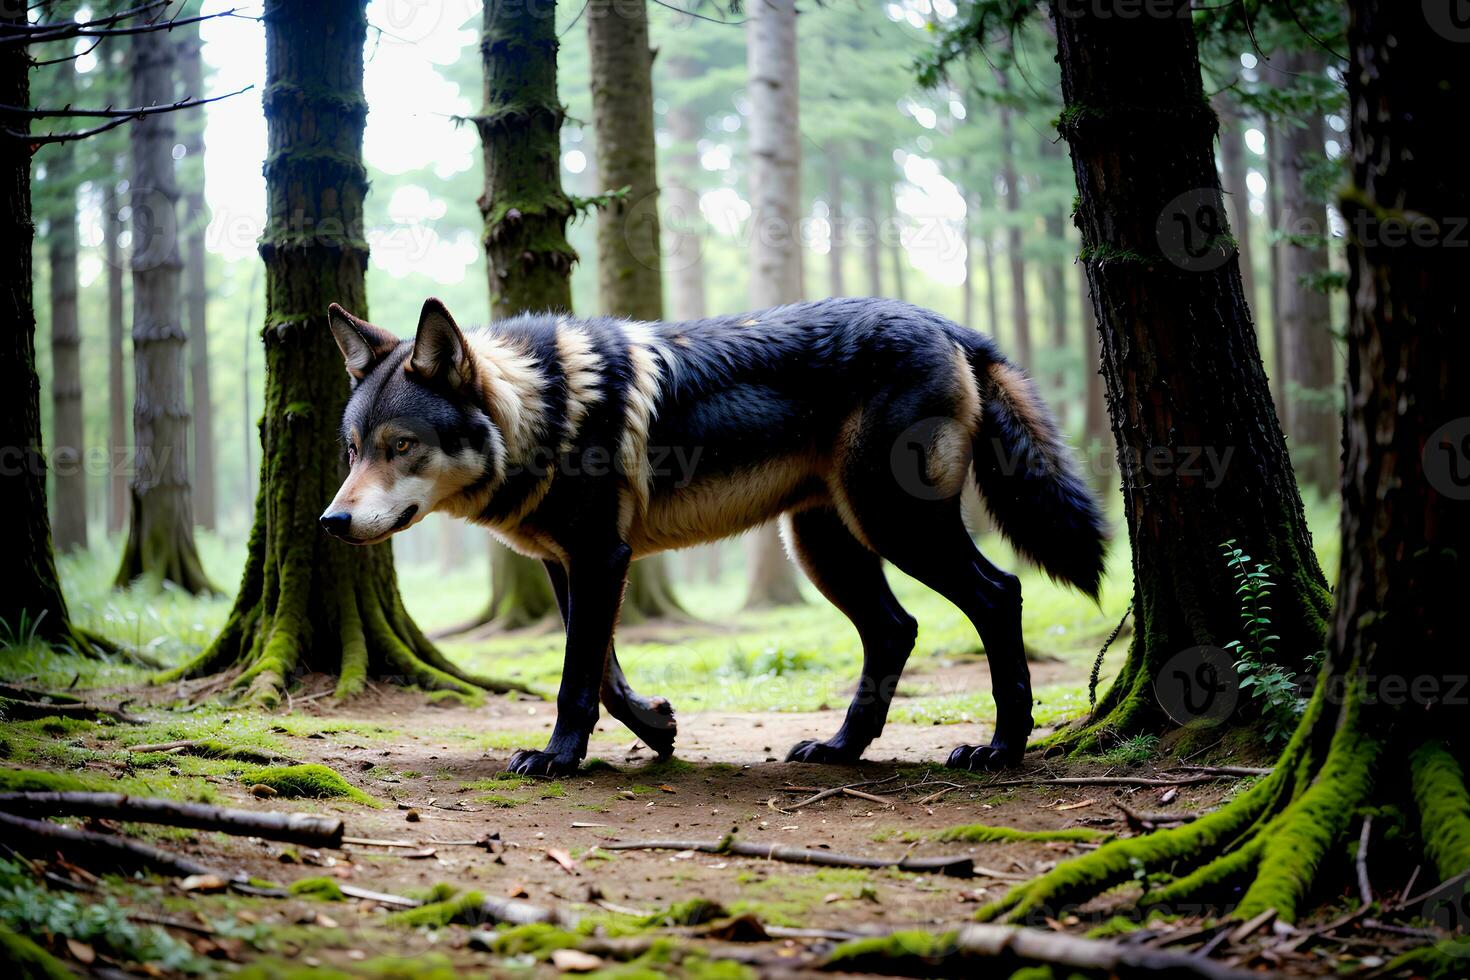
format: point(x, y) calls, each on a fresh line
point(1030, 482)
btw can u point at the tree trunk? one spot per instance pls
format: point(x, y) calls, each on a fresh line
point(528, 259)
point(1274, 222)
point(1201, 452)
point(775, 248)
point(1237, 193)
point(160, 545)
point(196, 293)
point(1314, 417)
point(684, 227)
point(992, 292)
point(69, 476)
point(308, 602)
point(117, 391)
point(835, 221)
point(1384, 732)
point(1015, 240)
point(873, 253)
point(895, 245)
point(967, 287)
point(1097, 433)
point(629, 273)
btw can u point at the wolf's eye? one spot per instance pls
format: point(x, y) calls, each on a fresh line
point(402, 445)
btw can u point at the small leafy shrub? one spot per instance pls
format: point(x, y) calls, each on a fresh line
point(1270, 686)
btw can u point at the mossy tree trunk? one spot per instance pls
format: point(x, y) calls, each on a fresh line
point(775, 248)
point(308, 602)
point(629, 248)
point(1200, 449)
point(160, 545)
point(194, 220)
point(32, 602)
point(1385, 731)
point(528, 258)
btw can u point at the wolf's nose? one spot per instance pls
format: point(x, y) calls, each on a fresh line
point(336, 524)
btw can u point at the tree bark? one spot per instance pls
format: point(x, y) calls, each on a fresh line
point(775, 248)
point(160, 545)
point(194, 220)
point(1179, 355)
point(629, 269)
point(1384, 731)
point(1314, 417)
point(1096, 430)
point(308, 602)
point(69, 476)
point(685, 227)
point(117, 391)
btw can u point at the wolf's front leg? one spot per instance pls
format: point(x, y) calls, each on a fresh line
point(595, 580)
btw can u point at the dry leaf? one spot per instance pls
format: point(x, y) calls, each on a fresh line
point(575, 961)
point(562, 858)
point(81, 952)
point(203, 883)
point(831, 897)
point(1075, 806)
point(667, 788)
point(325, 921)
point(262, 790)
point(516, 889)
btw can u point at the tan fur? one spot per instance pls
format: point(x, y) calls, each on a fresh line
point(842, 450)
point(708, 510)
point(950, 449)
point(582, 367)
point(642, 402)
point(1020, 399)
point(512, 388)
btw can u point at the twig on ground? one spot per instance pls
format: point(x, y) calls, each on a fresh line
point(375, 842)
point(1365, 887)
point(1078, 953)
point(836, 791)
point(1223, 770)
point(870, 797)
point(206, 749)
point(1103, 781)
point(16, 710)
point(149, 918)
point(1141, 820)
point(307, 829)
point(958, 866)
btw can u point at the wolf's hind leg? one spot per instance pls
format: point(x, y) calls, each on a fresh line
point(649, 718)
point(851, 576)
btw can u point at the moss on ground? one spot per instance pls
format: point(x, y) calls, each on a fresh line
point(463, 910)
point(30, 961)
point(312, 781)
point(979, 833)
point(322, 889)
point(37, 781)
point(535, 939)
point(910, 952)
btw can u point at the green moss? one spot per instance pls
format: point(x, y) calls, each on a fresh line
point(979, 833)
point(1442, 961)
point(464, 910)
point(36, 781)
point(536, 939)
point(908, 951)
point(694, 912)
point(1444, 807)
point(313, 781)
point(29, 960)
point(321, 889)
point(437, 892)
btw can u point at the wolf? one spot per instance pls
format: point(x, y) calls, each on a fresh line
point(856, 423)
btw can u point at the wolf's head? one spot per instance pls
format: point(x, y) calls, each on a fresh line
point(414, 434)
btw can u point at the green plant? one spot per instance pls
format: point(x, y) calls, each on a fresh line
point(1271, 686)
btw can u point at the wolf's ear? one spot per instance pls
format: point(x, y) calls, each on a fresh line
point(440, 352)
point(363, 345)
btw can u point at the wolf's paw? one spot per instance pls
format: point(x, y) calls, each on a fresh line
point(654, 724)
point(986, 758)
point(823, 753)
point(533, 762)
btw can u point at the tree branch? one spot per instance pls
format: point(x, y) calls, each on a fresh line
point(119, 116)
point(11, 39)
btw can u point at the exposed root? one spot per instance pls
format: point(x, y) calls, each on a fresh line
point(1444, 807)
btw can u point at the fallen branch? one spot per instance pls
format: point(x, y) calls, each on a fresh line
point(307, 829)
point(1223, 770)
point(1103, 781)
point(209, 749)
point(1365, 887)
point(1078, 953)
point(957, 866)
point(834, 791)
point(507, 910)
point(115, 851)
point(1142, 820)
point(16, 710)
point(31, 694)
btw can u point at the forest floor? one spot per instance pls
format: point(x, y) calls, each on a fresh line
point(427, 772)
